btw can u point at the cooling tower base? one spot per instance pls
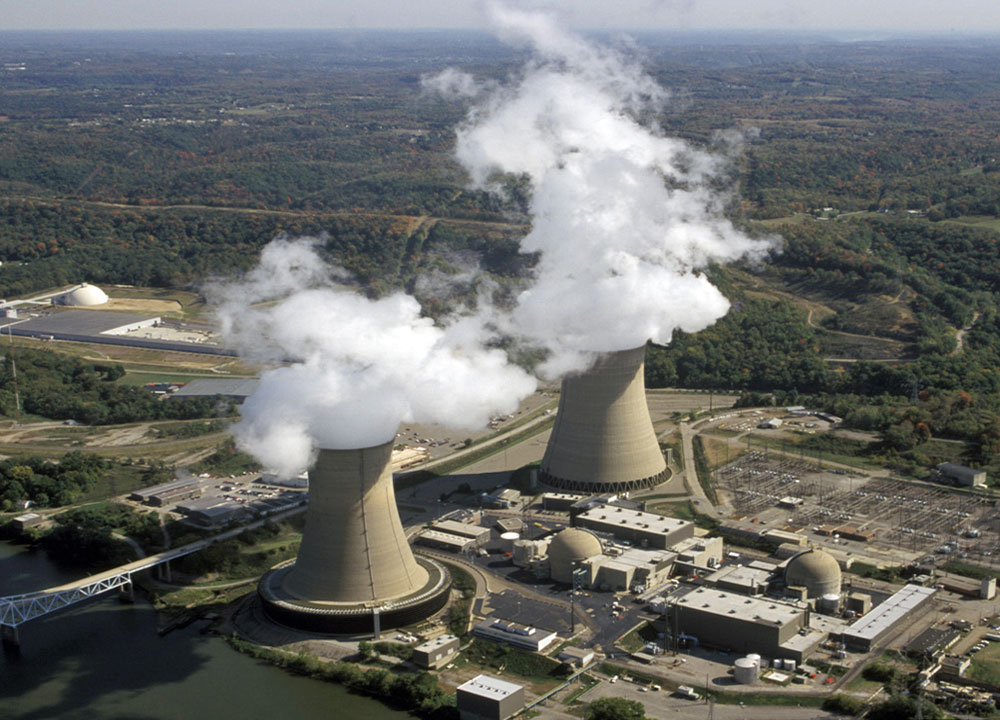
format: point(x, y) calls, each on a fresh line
point(602, 487)
point(354, 618)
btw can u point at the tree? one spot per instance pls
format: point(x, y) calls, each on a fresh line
point(615, 709)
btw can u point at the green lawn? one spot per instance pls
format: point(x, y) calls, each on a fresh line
point(986, 664)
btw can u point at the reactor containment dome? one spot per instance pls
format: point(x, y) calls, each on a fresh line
point(815, 570)
point(84, 296)
point(355, 571)
point(569, 547)
point(603, 439)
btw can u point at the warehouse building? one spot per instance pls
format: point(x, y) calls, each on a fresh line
point(961, 475)
point(171, 492)
point(743, 624)
point(639, 528)
point(436, 653)
point(489, 698)
point(516, 634)
point(862, 635)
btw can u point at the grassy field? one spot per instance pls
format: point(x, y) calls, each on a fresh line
point(986, 665)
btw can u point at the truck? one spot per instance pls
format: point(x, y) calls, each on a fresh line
point(687, 692)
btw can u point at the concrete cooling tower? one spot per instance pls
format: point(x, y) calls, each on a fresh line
point(603, 438)
point(355, 572)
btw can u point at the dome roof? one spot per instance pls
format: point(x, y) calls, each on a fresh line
point(85, 295)
point(815, 570)
point(569, 546)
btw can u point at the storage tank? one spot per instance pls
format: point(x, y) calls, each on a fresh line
point(755, 657)
point(524, 552)
point(507, 541)
point(829, 603)
point(790, 665)
point(745, 671)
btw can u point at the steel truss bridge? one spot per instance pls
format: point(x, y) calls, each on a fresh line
point(15, 610)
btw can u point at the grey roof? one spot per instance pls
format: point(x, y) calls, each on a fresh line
point(228, 387)
point(81, 322)
point(489, 687)
point(889, 612)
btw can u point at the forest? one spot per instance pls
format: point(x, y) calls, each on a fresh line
point(124, 161)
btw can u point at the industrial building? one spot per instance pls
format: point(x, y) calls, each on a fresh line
point(489, 698)
point(211, 511)
point(236, 389)
point(862, 635)
point(744, 624)
point(437, 652)
point(167, 493)
point(355, 571)
point(603, 438)
point(961, 475)
point(634, 526)
point(516, 634)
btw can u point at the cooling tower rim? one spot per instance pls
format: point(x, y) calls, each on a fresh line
point(269, 588)
point(603, 487)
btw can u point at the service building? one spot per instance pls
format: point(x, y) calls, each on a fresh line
point(489, 698)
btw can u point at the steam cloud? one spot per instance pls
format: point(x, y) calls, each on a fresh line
point(623, 217)
point(358, 366)
point(623, 220)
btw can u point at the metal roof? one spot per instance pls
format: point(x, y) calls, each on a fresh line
point(228, 387)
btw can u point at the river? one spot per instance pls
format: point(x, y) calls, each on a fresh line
point(105, 660)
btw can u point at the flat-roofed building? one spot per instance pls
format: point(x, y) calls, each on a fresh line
point(444, 541)
point(560, 502)
point(640, 528)
point(883, 619)
point(744, 624)
point(477, 533)
point(436, 653)
point(28, 520)
point(489, 698)
point(166, 493)
point(632, 568)
point(211, 511)
point(740, 579)
point(961, 475)
point(516, 634)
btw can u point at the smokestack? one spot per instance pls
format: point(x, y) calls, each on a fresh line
point(603, 438)
point(355, 571)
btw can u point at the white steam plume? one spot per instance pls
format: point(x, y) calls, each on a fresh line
point(357, 367)
point(624, 218)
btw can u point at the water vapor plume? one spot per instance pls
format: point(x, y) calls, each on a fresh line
point(624, 218)
point(355, 367)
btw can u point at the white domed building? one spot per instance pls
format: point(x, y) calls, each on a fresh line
point(85, 295)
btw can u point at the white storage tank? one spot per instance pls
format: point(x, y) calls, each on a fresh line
point(790, 665)
point(524, 552)
point(778, 663)
point(829, 603)
point(755, 657)
point(507, 541)
point(745, 671)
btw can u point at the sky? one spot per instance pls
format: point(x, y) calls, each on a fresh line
point(902, 16)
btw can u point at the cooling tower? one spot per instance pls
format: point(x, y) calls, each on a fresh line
point(603, 438)
point(355, 571)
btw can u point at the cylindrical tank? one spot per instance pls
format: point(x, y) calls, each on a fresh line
point(603, 439)
point(789, 665)
point(745, 671)
point(755, 657)
point(507, 540)
point(829, 603)
point(778, 663)
point(354, 548)
point(524, 552)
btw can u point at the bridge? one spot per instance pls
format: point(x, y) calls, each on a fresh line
point(15, 610)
